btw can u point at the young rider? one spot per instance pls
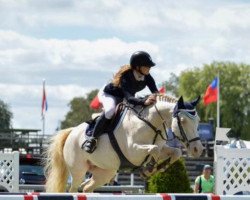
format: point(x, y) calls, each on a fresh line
point(126, 82)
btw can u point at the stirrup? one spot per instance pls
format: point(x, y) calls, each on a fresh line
point(89, 145)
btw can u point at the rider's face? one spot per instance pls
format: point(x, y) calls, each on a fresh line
point(145, 70)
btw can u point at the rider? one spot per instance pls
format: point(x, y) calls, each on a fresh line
point(126, 82)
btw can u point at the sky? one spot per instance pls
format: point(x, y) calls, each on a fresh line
point(77, 45)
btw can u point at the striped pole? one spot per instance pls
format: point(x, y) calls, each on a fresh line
point(98, 196)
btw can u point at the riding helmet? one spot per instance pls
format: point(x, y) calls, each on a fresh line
point(141, 58)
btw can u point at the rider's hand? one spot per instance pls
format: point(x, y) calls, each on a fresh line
point(150, 100)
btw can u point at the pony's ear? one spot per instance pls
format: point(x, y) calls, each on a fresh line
point(196, 101)
point(180, 103)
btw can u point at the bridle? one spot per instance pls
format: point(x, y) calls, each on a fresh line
point(157, 131)
point(183, 134)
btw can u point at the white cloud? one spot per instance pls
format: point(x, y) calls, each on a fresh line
point(25, 103)
point(137, 17)
point(58, 92)
point(230, 18)
point(29, 117)
point(17, 49)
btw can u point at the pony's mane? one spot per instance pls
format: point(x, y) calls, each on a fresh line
point(165, 98)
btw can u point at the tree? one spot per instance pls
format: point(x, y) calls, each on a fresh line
point(172, 84)
point(234, 94)
point(173, 180)
point(5, 116)
point(79, 110)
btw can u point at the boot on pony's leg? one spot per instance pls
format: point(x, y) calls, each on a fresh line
point(90, 143)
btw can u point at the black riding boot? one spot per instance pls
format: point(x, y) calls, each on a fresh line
point(90, 143)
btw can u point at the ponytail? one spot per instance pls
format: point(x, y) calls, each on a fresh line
point(117, 77)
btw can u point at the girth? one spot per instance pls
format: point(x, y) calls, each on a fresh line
point(124, 162)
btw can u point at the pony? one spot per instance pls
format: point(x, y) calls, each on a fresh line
point(141, 138)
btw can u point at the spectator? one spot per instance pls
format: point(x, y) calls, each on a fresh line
point(205, 182)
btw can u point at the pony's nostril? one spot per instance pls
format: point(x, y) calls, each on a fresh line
point(195, 150)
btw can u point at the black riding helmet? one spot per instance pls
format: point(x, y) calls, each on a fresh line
point(141, 58)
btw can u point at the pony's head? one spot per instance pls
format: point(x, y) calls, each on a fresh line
point(185, 126)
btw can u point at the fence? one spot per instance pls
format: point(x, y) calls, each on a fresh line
point(231, 164)
point(9, 178)
point(9, 171)
point(232, 170)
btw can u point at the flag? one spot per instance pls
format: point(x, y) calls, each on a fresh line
point(211, 94)
point(44, 101)
point(162, 89)
point(95, 103)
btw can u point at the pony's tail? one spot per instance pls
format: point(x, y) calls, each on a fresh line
point(55, 167)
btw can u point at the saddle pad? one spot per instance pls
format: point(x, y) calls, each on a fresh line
point(109, 129)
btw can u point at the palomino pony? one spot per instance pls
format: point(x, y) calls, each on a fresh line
point(134, 136)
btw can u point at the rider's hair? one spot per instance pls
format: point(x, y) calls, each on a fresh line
point(117, 77)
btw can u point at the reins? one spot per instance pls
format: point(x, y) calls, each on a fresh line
point(154, 128)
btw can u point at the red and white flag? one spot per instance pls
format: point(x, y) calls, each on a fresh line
point(95, 103)
point(44, 101)
point(162, 89)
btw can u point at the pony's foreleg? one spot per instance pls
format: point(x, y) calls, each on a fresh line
point(168, 155)
point(85, 183)
point(99, 178)
point(173, 153)
point(150, 149)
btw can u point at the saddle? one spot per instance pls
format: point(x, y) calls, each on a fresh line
point(115, 121)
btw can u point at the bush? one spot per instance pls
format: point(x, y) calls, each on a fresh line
point(173, 180)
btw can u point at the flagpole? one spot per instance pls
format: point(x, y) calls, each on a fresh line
point(218, 101)
point(43, 112)
point(43, 125)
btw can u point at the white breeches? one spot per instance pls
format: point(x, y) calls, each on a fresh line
point(108, 102)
